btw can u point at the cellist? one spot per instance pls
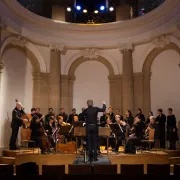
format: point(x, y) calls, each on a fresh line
point(17, 121)
point(36, 134)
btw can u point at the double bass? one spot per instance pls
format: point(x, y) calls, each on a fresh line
point(25, 130)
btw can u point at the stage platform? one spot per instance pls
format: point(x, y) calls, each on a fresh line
point(149, 157)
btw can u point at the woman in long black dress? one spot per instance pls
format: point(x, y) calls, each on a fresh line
point(172, 135)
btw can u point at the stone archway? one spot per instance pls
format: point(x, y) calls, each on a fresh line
point(39, 72)
point(147, 73)
point(68, 80)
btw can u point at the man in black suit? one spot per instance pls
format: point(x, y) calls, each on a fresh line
point(17, 121)
point(90, 115)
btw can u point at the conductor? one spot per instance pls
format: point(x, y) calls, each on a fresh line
point(90, 115)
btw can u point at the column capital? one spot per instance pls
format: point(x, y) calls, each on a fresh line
point(57, 47)
point(161, 41)
point(125, 47)
point(114, 77)
point(1, 66)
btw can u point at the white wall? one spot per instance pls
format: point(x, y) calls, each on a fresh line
point(165, 83)
point(16, 82)
point(91, 83)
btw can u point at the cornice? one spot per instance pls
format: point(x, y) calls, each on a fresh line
point(162, 20)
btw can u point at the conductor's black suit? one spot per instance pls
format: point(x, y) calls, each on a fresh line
point(90, 115)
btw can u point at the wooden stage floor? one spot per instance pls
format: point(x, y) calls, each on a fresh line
point(150, 157)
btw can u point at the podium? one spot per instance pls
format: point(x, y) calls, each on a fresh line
point(102, 132)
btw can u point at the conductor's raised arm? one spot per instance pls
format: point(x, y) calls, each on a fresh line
point(103, 108)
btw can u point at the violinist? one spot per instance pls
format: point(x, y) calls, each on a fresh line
point(120, 135)
point(38, 113)
point(49, 130)
point(137, 134)
point(36, 132)
point(17, 121)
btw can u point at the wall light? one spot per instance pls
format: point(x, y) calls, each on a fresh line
point(96, 11)
point(85, 11)
point(111, 9)
point(68, 9)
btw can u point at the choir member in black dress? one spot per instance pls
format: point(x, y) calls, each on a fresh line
point(38, 113)
point(111, 114)
point(63, 114)
point(36, 133)
point(50, 113)
point(71, 116)
point(103, 119)
point(129, 118)
point(17, 121)
point(81, 117)
point(139, 113)
point(148, 119)
point(172, 135)
point(137, 134)
point(161, 121)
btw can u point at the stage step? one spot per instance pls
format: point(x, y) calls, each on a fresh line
point(174, 160)
point(9, 153)
point(173, 153)
point(7, 160)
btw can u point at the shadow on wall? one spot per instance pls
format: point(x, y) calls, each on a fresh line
point(6, 127)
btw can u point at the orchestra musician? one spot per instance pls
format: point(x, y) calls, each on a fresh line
point(50, 113)
point(129, 118)
point(63, 114)
point(137, 134)
point(139, 113)
point(36, 132)
point(111, 114)
point(112, 136)
point(71, 116)
point(81, 117)
point(103, 119)
point(121, 134)
point(117, 112)
point(49, 130)
point(38, 113)
point(17, 121)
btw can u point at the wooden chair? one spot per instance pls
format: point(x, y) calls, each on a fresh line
point(79, 169)
point(55, 170)
point(132, 169)
point(160, 169)
point(105, 169)
point(149, 141)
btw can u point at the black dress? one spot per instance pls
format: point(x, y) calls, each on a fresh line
point(161, 121)
point(171, 124)
point(130, 121)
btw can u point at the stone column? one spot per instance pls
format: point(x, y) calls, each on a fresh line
point(127, 77)
point(65, 92)
point(54, 80)
point(1, 67)
point(40, 91)
point(138, 91)
point(70, 95)
point(115, 82)
point(2, 26)
point(146, 92)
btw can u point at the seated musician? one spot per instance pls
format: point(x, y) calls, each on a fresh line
point(137, 134)
point(152, 125)
point(49, 130)
point(36, 132)
point(38, 113)
point(120, 135)
point(112, 137)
